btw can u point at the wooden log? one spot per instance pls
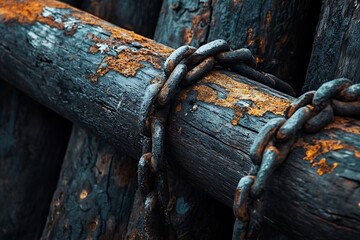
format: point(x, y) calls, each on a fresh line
point(95, 191)
point(32, 145)
point(138, 16)
point(92, 72)
point(109, 178)
point(336, 45)
point(279, 33)
point(191, 206)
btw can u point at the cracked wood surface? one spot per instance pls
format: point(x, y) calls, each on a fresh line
point(46, 52)
point(336, 45)
point(88, 185)
point(279, 33)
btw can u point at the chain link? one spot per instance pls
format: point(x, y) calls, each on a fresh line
point(310, 112)
point(182, 68)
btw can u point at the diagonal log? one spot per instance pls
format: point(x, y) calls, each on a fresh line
point(95, 74)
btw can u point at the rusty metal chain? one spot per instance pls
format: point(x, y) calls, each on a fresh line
point(310, 112)
point(182, 68)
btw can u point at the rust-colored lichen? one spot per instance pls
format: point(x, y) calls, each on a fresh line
point(127, 61)
point(318, 148)
point(242, 98)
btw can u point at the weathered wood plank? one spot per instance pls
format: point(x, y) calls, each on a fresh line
point(95, 191)
point(336, 45)
point(279, 33)
point(32, 145)
point(138, 16)
point(208, 144)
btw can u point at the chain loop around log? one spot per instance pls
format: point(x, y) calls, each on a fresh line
point(310, 112)
point(183, 67)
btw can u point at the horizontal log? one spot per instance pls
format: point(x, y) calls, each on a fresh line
point(95, 74)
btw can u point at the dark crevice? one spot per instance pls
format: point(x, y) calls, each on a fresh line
point(308, 28)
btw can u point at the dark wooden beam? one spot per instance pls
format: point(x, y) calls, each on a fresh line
point(95, 191)
point(95, 74)
point(33, 141)
point(138, 16)
point(336, 45)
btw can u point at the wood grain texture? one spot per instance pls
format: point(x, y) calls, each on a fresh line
point(95, 191)
point(102, 196)
point(279, 33)
point(32, 146)
point(139, 16)
point(336, 46)
point(208, 143)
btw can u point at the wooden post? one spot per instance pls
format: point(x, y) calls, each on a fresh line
point(99, 81)
point(138, 16)
point(95, 191)
point(33, 141)
point(336, 45)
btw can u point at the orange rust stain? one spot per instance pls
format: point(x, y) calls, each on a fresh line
point(83, 194)
point(252, 40)
point(267, 19)
point(94, 224)
point(178, 108)
point(317, 148)
point(257, 103)
point(28, 12)
point(183, 95)
point(188, 36)
point(259, 59)
point(127, 63)
point(344, 124)
point(199, 24)
point(323, 167)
